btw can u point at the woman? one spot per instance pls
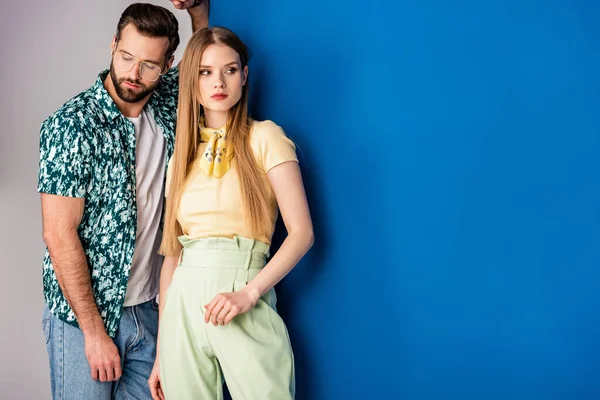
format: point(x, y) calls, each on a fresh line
point(227, 180)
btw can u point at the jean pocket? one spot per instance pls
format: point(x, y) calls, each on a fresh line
point(154, 304)
point(46, 322)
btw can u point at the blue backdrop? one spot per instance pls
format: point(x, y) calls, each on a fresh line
point(450, 155)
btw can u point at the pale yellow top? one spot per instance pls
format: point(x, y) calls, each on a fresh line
point(214, 207)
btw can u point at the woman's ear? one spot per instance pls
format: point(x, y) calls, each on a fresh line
point(245, 75)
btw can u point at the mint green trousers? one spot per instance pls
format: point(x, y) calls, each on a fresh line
point(252, 353)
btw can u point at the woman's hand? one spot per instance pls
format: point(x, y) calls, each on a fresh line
point(225, 306)
point(154, 382)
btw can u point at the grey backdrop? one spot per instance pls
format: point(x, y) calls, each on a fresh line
point(50, 52)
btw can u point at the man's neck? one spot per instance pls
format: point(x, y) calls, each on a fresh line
point(130, 110)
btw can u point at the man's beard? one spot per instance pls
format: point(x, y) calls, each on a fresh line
point(128, 95)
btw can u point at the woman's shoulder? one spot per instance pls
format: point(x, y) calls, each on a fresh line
point(267, 126)
point(266, 130)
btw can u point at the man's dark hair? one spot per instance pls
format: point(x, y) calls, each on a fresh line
point(152, 21)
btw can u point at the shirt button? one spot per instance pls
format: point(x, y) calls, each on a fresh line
point(120, 297)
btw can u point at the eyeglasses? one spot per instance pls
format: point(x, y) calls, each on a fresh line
point(124, 62)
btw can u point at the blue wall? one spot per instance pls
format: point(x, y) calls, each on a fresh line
point(450, 155)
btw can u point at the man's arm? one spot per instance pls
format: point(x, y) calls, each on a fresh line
point(199, 11)
point(199, 15)
point(61, 217)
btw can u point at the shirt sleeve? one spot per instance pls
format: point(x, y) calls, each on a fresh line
point(271, 146)
point(64, 165)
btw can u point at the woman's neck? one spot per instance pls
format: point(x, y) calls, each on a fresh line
point(215, 119)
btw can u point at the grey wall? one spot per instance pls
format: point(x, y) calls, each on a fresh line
point(50, 52)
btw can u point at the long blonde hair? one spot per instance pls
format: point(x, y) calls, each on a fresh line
point(187, 138)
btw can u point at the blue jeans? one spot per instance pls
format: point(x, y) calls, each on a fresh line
point(70, 376)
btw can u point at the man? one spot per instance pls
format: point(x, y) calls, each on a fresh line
point(103, 158)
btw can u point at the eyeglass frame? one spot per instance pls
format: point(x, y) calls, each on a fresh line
point(136, 61)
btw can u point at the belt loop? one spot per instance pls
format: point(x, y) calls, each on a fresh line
point(247, 266)
point(180, 256)
point(248, 259)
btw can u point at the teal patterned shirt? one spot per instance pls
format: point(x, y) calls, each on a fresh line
point(87, 150)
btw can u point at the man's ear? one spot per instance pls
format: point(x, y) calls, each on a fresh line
point(170, 63)
point(113, 44)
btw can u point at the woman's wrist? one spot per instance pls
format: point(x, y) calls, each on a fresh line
point(253, 292)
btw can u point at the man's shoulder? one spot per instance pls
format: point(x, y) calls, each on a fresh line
point(169, 84)
point(77, 111)
point(164, 101)
point(171, 77)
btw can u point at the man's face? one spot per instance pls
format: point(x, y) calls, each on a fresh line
point(147, 55)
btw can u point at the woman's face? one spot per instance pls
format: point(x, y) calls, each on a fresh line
point(221, 78)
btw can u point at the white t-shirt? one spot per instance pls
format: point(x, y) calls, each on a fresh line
point(144, 277)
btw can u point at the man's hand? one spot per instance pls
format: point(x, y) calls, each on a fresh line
point(103, 357)
point(183, 4)
point(199, 12)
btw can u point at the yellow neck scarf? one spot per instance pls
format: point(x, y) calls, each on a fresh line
point(218, 152)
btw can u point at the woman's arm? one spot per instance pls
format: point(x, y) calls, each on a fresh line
point(286, 182)
point(166, 276)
